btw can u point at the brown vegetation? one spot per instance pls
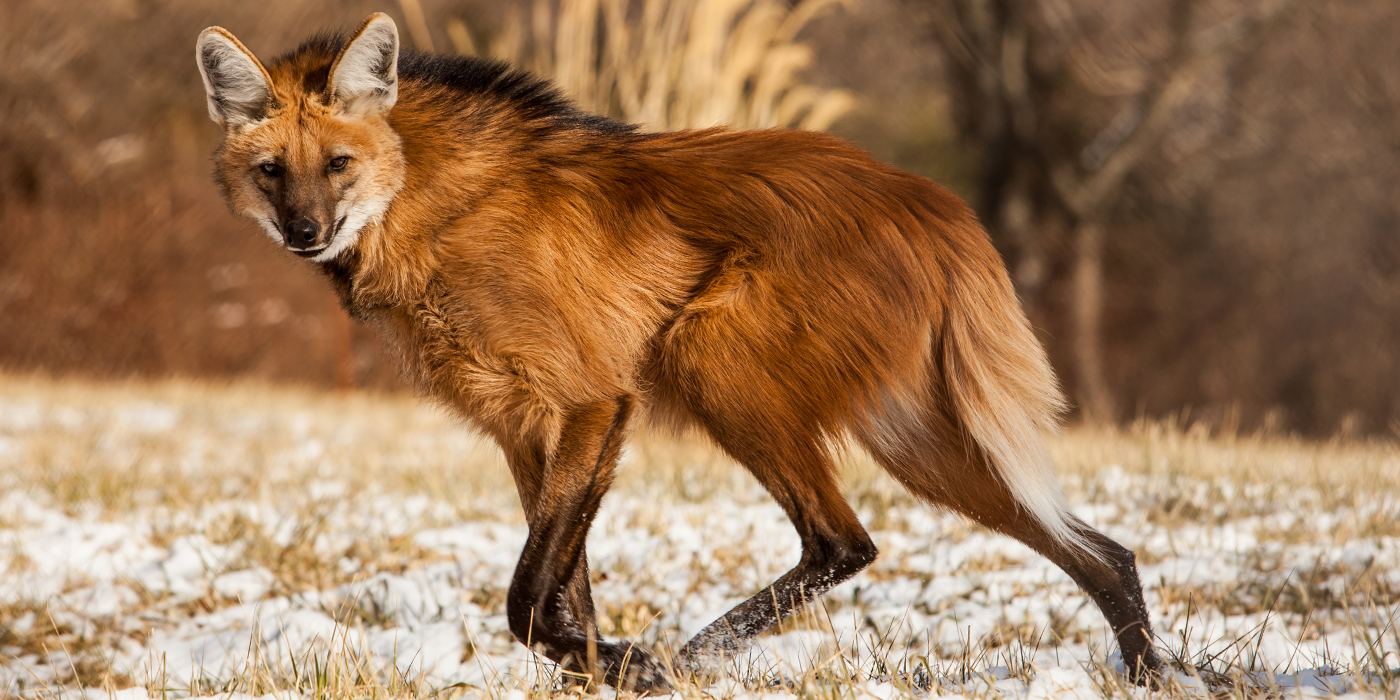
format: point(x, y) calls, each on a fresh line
point(273, 471)
point(1248, 260)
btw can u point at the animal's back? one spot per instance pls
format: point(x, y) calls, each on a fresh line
point(785, 278)
point(846, 296)
point(840, 266)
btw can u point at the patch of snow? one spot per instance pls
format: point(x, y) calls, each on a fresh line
point(663, 570)
point(246, 585)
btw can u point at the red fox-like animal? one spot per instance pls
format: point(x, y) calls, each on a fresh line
point(554, 277)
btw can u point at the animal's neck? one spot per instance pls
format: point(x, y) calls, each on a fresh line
point(448, 173)
point(389, 266)
point(341, 273)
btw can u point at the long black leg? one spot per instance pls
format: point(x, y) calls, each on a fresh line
point(527, 465)
point(834, 548)
point(537, 608)
point(964, 481)
point(1115, 588)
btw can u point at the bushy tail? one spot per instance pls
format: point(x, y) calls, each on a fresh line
point(1006, 394)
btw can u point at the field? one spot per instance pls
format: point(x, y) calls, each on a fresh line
point(178, 539)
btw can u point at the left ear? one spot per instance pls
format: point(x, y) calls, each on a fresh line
point(365, 76)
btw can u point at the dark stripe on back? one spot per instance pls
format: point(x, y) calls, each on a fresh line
point(468, 76)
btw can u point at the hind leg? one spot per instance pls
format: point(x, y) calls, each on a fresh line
point(834, 545)
point(964, 482)
point(748, 363)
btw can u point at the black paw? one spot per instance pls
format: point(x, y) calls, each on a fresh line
point(1144, 668)
point(708, 651)
point(704, 657)
point(627, 667)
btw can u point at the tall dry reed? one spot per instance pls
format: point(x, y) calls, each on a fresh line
point(672, 64)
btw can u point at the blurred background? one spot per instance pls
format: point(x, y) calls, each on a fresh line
point(1199, 200)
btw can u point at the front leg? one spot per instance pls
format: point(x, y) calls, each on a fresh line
point(538, 606)
point(527, 465)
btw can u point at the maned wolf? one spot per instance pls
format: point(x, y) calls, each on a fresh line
point(550, 275)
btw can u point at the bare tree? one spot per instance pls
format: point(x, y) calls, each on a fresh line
point(1057, 126)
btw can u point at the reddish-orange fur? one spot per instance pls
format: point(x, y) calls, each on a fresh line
point(548, 277)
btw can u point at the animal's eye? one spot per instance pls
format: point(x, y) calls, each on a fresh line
point(270, 169)
point(338, 163)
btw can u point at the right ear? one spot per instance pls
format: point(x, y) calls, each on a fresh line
point(238, 87)
point(365, 76)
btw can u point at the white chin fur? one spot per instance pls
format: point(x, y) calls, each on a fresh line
point(267, 226)
point(343, 240)
point(356, 218)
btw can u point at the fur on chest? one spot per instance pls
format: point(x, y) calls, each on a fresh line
point(519, 379)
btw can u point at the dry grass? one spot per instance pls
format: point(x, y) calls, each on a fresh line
point(183, 446)
point(327, 495)
point(1171, 450)
point(671, 64)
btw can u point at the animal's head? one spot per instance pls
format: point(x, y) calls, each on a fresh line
point(308, 151)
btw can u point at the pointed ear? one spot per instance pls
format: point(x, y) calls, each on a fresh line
point(238, 87)
point(365, 76)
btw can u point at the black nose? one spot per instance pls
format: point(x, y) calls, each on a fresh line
point(302, 233)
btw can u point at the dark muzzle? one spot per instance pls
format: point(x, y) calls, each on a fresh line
point(302, 234)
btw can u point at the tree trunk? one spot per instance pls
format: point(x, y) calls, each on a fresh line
point(1016, 222)
point(1091, 389)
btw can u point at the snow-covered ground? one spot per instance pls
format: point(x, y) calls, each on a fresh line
point(181, 540)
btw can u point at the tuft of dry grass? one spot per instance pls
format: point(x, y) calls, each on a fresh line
point(1173, 450)
point(672, 64)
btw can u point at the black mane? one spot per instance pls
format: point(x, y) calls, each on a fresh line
point(325, 45)
point(469, 76)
